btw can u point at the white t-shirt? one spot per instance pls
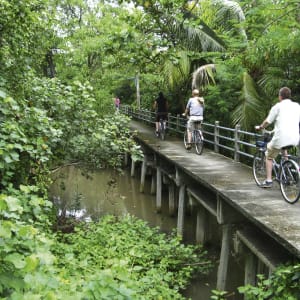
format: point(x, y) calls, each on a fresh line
point(286, 115)
point(194, 107)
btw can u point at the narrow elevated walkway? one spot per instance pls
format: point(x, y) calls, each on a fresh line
point(266, 209)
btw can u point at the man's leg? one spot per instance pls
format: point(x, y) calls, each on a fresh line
point(189, 130)
point(189, 136)
point(271, 153)
point(269, 165)
point(156, 126)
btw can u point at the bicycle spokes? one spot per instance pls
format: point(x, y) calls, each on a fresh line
point(290, 181)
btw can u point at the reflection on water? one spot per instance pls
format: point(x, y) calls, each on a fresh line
point(106, 192)
point(110, 192)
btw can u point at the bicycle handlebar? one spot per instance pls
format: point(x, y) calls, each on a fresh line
point(263, 130)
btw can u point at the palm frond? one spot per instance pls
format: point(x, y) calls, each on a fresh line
point(203, 76)
point(201, 38)
point(249, 111)
point(177, 70)
point(230, 10)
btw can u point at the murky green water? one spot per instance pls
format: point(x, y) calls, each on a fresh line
point(109, 192)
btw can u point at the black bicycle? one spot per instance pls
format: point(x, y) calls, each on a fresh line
point(285, 170)
point(197, 138)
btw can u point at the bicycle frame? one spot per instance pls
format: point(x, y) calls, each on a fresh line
point(196, 138)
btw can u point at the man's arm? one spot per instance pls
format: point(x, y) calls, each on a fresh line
point(264, 124)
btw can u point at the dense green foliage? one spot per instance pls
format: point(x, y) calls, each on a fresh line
point(111, 259)
point(114, 258)
point(94, 50)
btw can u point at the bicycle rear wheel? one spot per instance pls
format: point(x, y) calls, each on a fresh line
point(198, 142)
point(290, 181)
point(259, 167)
point(162, 130)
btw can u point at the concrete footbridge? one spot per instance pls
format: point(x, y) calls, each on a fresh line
point(253, 223)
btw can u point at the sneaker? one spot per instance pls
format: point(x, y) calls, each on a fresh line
point(157, 133)
point(188, 147)
point(266, 184)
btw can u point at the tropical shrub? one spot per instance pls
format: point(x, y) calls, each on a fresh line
point(284, 283)
point(123, 255)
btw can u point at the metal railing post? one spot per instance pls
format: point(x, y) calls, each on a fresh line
point(216, 137)
point(177, 122)
point(236, 142)
point(149, 117)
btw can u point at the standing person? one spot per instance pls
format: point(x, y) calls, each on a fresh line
point(117, 103)
point(160, 105)
point(286, 117)
point(195, 109)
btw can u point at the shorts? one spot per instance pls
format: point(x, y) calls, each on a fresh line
point(192, 120)
point(271, 152)
point(161, 115)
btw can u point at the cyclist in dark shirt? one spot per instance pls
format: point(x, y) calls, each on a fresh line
point(161, 107)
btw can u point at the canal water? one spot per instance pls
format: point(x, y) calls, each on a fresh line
point(102, 192)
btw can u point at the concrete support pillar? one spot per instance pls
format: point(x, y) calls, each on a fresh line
point(158, 189)
point(172, 207)
point(181, 210)
point(153, 184)
point(143, 173)
point(224, 257)
point(250, 269)
point(202, 226)
point(132, 168)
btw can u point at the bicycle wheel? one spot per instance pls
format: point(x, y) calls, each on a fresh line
point(259, 167)
point(162, 130)
point(290, 181)
point(185, 140)
point(198, 142)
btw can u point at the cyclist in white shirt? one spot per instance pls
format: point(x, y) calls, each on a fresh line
point(286, 117)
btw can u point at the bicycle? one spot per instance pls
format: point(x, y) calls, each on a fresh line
point(285, 170)
point(197, 138)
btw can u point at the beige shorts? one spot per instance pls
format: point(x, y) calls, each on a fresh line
point(192, 120)
point(271, 152)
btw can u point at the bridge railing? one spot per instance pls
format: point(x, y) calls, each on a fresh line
point(232, 142)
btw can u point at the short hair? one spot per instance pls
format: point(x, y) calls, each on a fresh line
point(285, 93)
point(195, 92)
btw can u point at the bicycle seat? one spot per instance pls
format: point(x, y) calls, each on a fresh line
point(287, 147)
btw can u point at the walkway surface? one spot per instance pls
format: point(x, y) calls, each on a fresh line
point(234, 181)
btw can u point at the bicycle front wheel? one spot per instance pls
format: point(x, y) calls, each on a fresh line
point(290, 181)
point(185, 139)
point(259, 167)
point(198, 142)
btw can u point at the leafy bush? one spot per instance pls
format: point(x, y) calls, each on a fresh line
point(57, 124)
point(128, 253)
point(284, 283)
point(26, 136)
